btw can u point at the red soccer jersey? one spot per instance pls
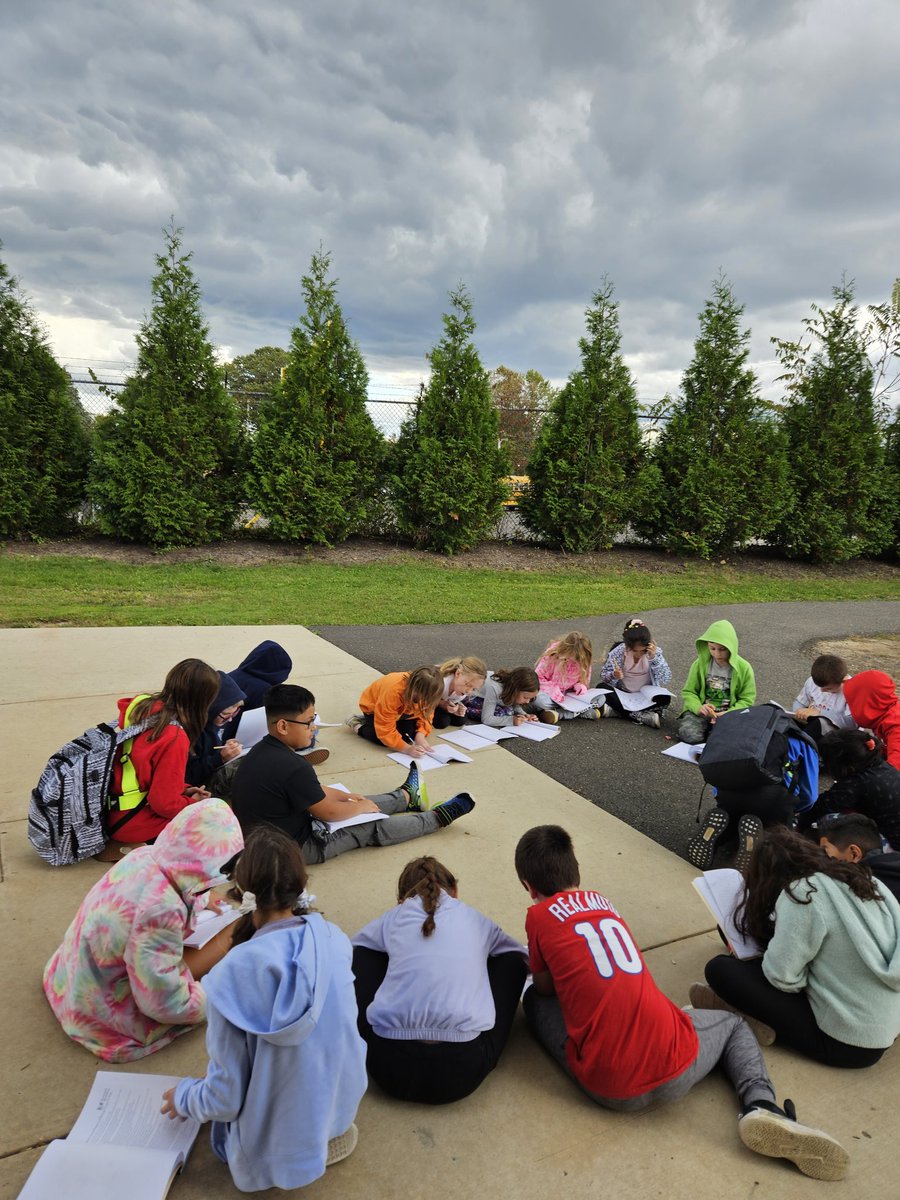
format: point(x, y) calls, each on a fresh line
point(625, 1037)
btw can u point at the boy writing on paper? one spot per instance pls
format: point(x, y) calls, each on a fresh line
point(595, 1008)
point(718, 681)
point(275, 785)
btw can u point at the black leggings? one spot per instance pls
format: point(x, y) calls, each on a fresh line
point(407, 727)
point(443, 719)
point(772, 804)
point(743, 985)
point(437, 1072)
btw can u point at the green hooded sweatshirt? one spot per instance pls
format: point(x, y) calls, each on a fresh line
point(743, 684)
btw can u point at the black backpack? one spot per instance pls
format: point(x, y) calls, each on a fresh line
point(749, 748)
point(67, 808)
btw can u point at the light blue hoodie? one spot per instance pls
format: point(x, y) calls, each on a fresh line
point(287, 1067)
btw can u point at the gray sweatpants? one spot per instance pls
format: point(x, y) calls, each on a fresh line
point(401, 826)
point(725, 1039)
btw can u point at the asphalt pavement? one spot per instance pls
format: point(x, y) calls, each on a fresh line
point(616, 764)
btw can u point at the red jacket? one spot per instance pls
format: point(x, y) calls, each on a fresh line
point(160, 768)
point(872, 699)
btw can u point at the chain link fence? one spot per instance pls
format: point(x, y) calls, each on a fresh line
point(518, 425)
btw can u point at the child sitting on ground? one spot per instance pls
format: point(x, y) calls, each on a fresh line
point(510, 697)
point(276, 785)
point(148, 785)
point(856, 839)
point(872, 699)
point(461, 676)
point(122, 983)
point(595, 1008)
point(286, 1065)
point(828, 983)
point(438, 985)
point(821, 707)
point(718, 681)
point(565, 668)
point(864, 782)
point(631, 664)
point(398, 709)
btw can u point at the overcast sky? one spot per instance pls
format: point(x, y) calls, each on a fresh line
point(527, 147)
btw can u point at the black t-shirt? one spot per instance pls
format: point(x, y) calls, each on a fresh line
point(274, 785)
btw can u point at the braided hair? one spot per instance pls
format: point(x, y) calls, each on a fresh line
point(426, 878)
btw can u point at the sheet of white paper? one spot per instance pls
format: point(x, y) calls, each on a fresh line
point(77, 1171)
point(210, 923)
point(359, 819)
point(645, 698)
point(685, 753)
point(577, 704)
point(489, 734)
point(252, 728)
point(534, 731)
point(722, 890)
point(425, 763)
point(123, 1110)
point(365, 818)
point(468, 741)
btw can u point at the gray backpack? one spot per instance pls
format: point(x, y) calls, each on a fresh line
point(67, 808)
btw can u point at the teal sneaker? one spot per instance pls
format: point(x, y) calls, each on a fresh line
point(414, 786)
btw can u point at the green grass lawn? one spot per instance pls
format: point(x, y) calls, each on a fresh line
point(60, 590)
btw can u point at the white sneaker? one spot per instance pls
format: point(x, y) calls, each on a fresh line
point(648, 718)
point(777, 1133)
point(354, 720)
point(342, 1146)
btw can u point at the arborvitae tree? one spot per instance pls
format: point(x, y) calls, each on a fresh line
point(316, 456)
point(167, 468)
point(844, 501)
point(721, 455)
point(588, 467)
point(447, 466)
point(43, 429)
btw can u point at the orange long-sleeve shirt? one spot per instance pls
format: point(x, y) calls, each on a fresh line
point(384, 700)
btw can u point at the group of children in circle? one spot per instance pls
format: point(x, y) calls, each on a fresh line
point(424, 996)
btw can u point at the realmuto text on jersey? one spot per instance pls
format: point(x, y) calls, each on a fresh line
point(574, 903)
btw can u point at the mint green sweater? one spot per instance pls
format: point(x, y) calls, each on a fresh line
point(845, 953)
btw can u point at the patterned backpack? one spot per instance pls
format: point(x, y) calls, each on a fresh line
point(66, 813)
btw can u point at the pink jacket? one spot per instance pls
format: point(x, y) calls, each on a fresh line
point(556, 678)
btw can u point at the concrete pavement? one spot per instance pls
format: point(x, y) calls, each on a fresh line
point(527, 1132)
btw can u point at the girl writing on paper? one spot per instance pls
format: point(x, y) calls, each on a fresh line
point(122, 983)
point(437, 985)
point(286, 1066)
point(631, 664)
point(564, 669)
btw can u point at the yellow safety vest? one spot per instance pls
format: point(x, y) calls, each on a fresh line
point(131, 795)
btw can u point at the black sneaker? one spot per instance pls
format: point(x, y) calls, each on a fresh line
point(701, 849)
point(451, 810)
point(414, 786)
point(776, 1132)
point(749, 829)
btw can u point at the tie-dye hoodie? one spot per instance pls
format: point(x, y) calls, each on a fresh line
point(118, 983)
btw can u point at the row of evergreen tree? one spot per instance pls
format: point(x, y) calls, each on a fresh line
point(172, 464)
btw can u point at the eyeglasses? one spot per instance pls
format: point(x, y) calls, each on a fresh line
point(291, 721)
